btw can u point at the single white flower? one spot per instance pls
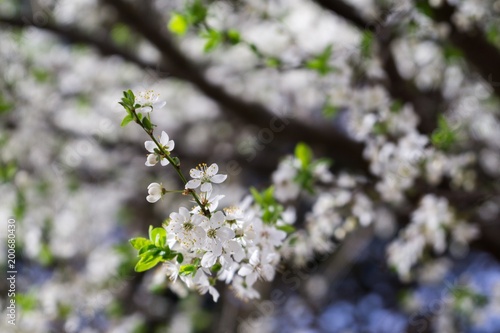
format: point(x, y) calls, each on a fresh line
point(209, 202)
point(186, 228)
point(217, 237)
point(261, 264)
point(153, 158)
point(155, 192)
point(243, 290)
point(148, 100)
point(205, 177)
point(203, 285)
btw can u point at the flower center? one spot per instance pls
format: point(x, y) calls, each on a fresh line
point(188, 226)
point(212, 233)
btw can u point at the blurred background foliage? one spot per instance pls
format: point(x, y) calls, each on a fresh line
point(76, 183)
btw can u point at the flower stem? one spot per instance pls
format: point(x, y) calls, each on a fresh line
point(174, 164)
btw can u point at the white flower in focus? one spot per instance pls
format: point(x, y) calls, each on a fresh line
point(205, 177)
point(155, 192)
point(148, 100)
point(209, 202)
point(216, 236)
point(186, 228)
point(153, 158)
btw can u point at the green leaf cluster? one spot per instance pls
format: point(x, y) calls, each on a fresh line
point(128, 103)
point(320, 64)
point(195, 13)
point(153, 250)
point(444, 136)
point(5, 106)
point(7, 171)
point(271, 208)
point(305, 176)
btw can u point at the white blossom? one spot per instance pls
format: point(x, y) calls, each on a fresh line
point(205, 177)
point(155, 192)
point(153, 158)
point(148, 101)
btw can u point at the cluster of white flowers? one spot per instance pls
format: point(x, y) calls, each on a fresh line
point(234, 245)
point(338, 208)
point(397, 152)
point(431, 224)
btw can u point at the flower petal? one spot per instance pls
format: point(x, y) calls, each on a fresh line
point(217, 220)
point(194, 183)
point(151, 160)
point(208, 260)
point(206, 187)
point(214, 293)
point(153, 198)
point(212, 170)
point(164, 138)
point(217, 179)
point(225, 233)
point(150, 146)
point(195, 173)
point(245, 270)
point(170, 145)
point(164, 162)
point(159, 104)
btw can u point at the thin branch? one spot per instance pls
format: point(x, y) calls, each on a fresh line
point(345, 151)
point(347, 12)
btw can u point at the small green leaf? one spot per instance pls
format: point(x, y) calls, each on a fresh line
point(273, 62)
point(254, 49)
point(157, 236)
point(178, 24)
point(127, 119)
point(139, 242)
point(425, 8)
point(286, 228)
point(131, 96)
point(233, 36)
point(187, 269)
point(147, 124)
point(146, 248)
point(215, 268)
point(320, 62)
point(366, 43)
point(180, 258)
point(213, 38)
point(444, 136)
point(147, 262)
point(256, 196)
point(196, 12)
point(304, 154)
point(176, 160)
